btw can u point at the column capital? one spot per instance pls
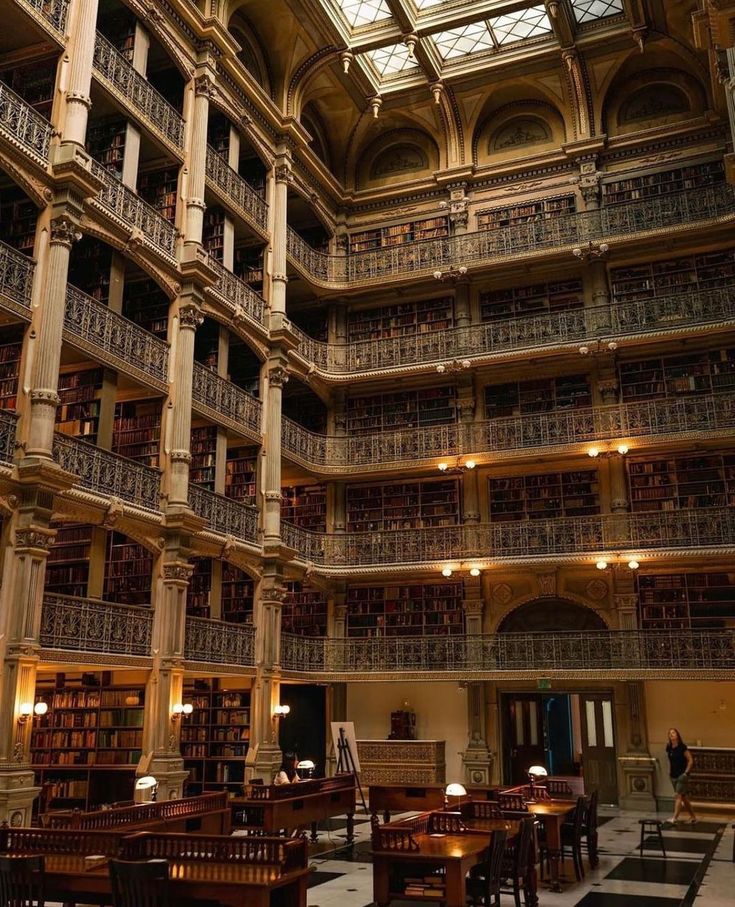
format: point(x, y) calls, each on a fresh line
point(190, 316)
point(64, 231)
point(33, 538)
point(277, 376)
point(204, 85)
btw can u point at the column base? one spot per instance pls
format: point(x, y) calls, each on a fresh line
point(263, 761)
point(478, 765)
point(169, 772)
point(639, 770)
point(17, 793)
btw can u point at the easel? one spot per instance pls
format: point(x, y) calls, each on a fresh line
point(346, 763)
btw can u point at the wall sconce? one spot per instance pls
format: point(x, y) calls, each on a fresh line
point(40, 708)
point(146, 789)
point(447, 571)
point(451, 274)
point(279, 711)
point(306, 765)
point(458, 468)
point(181, 709)
point(597, 347)
point(632, 564)
point(25, 712)
point(475, 571)
point(621, 450)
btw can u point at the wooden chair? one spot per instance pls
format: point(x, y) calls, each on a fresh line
point(516, 870)
point(483, 883)
point(589, 830)
point(21, 881)
point(137, 883)
point(571, 836)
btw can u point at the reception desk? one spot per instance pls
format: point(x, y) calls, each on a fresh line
point(401, 761)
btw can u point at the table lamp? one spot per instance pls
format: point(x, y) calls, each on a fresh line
point(146, 789)
point(455, 789)
point(307, 766)
point(535, 773)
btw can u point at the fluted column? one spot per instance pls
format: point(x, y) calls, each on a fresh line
point(282, 176)
point(203, 90)
point(81, 53)
point(277, 377)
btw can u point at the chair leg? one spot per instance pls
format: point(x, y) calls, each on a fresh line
point(661, 839)
point(640, 846)
point(517, 892)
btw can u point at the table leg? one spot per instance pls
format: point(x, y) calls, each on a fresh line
point(455, 872)
point(553, 845)
point(381, 891)
point(314, 836)
point(350, 827)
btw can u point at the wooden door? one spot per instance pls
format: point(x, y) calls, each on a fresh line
point(599, 761)
point(524, 735)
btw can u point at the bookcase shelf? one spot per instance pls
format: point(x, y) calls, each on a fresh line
point(537, 299)
point(682, 482)
point(34, 82)
point(701, 601)
point(137, 431)
point(544, 496)
point(215, 738)
point(305, 506)
point(67, 568)
point(106, 142)
point(213, 235)
point(305, 408)
point(203, 456)
point(404, 409)
point(158, 188)
point(238, 594)
point(401, 320)
point(218, 134)
point(249, 265)
point(10, 353)
point(678, 375)
point(671, 276)
point(304, 610)
point(241, 473)
point(404, 505)
point(145, 303)
point(427, 609)
point(78, 412)
point(538, 396)
point(526, 213)
point(663, 182)
point(396, 234)
point(89, 268)
point(199, 593)
point(18, 217)
point(128, 571)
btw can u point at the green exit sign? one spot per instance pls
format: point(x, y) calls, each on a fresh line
point(543, 683)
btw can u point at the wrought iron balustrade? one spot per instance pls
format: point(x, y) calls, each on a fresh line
point(16, 276)
point(217, 642)
point(52, 11)
point(237, 190)
point(309, 447)
point(224, 514)
point(90, 625)
point(8, 426)
point(223, 398)
point(120, 342)
point(321, 266)
point(23, 126)
point(120, 201)
point(310, 545)
point(238, 296)
point(309, 654)
point(137, 92)
point(107, 473)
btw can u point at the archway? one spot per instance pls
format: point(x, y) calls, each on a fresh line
point(550, 615)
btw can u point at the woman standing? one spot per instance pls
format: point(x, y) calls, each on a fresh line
point(681, 764)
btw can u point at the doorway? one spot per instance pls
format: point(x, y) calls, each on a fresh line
point(567, 733)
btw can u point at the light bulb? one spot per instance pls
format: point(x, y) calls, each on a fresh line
point(26, 709)
point(593, 452)
point(474, 571)
point(443, 467)
point(447, 571)
point(470, 464)
point(177, 708)
point(187, 708)
point(634, 565)
point(601, 565)
point(623, 449)
point(40, 708)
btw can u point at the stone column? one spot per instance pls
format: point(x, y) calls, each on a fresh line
point(466, 402)
point(477, 758)
point(276, 376)
point(81, 54)
point(458, 210)
point(197, 158)
point(282, 177)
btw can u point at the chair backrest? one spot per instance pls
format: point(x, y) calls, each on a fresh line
point(580, 814)
point(523, 847)
point(139, 883)
point(591, 817)
point(21, 881)
point(495, 860)
point(557, 787)
point(511, 801)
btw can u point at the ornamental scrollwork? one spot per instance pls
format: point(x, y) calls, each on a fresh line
point(64, 232)
point(177, 572)
point(190, 316)
point(277, 376)
point(204, 85)
point(283, 173)
point(33, 538)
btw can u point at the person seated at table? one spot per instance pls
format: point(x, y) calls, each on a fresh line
point(287, 773)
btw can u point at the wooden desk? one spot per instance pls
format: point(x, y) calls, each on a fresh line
point(291, 806)
point(416, 798)
point(553, 813)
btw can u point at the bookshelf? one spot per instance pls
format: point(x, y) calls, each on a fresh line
point(88, 743)
point(34, 82)
point(403, 409)
point(203, 456)
point(18, 216)
point(213, 233)
point(680, 375)
point(542, 395)
point(79, 410)
point(305, 506)
point(10, 353)
point(536, 299)
point(248, 265)
point(67, 567)
point(145, 303)
point(215, 737)
point(304, 610)
point(526, 213)
point(313, 323)
point(106, 142)
point(241, 471)
point(243, 366)
point(199, 592)
point(397, 234)
point(128, 571)
point(206, 344)
point(428, 609)
point(304, 407)
point(663, 182)
point(137, 431)
point(158, 188)
point(89, 268)
point(544, 496)
point(672, 276)
point(218, 134)
point(238, 595)
point(701, 601)
point(401, 320)
point(403, 505)
point(683, 481)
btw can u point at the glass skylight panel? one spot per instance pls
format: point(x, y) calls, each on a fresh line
point(521, 25)
point(364, 12)
point(591, 10)
point(466, 39)
point(390, 60)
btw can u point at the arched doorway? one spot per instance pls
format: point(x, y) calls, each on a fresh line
point(551, 615)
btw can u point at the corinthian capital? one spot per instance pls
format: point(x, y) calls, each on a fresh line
point(283, 173)
point(190, 316)
point(277, 376)
point(64, 232)
point(204, 85)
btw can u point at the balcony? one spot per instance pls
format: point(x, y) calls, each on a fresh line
point(89, 625)
point(23, 128)
point(136, 94)
point(7, 436)
point(108, 337)
point(235, 192)
point(615, 224)
point(242, 302)
point(108, 474)
point(16, 281)
point(50, 13)
point(225, 403)
point(135, 215)
point(216, 642)
point(224, 515)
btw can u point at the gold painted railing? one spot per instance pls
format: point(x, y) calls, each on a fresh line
point(242, 301)
point(225, 402)
point(225, 515)
point(52, 12)
point(22, 126)
point(7, 436)
point(236, 191)
point(16, 280)
point(91, 625)
point(217, 642)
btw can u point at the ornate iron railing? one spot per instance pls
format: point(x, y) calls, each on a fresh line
point(225, 515)
point(107, 473)
point(240, 298)
point(117, 341)
point(216, 642)
point(225, 400)
point(309, 545)
point(318, 265)
point(136, 93)
point(236, 190)
point(23, 127)
point(633, 651)
point(52, 11)
point(90, 625)
point(116, 199)
point(16, 276)
point(8, 426)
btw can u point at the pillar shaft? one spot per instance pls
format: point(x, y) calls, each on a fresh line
point(80, 72)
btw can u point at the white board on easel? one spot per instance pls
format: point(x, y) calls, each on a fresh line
point(348, 727)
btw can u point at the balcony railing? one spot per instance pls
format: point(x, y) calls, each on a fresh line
point(7, 436)
point(241, 299)
point(135, 92)
point(54, 12)
point(90, 625)
point(117, 341)
point(225, 401)
point(225, 515)
point(127, 207)
point(637, 652)
point(236, 190)
point(216, 642)
point(107, 473)
point(16, 277)
point(23, 127)
point(614, 223)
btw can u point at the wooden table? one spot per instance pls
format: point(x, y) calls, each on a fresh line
point(416, 798)
point(553, 813)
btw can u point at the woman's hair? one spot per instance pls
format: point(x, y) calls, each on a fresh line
point(288, 764)
point(669, 747)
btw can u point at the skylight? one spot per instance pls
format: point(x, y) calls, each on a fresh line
point(590, 10)
point(523, 24)
point(467, 39)
point(364, 12)
point(494, 33)
point(391, 60)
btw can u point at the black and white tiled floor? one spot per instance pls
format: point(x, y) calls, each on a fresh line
point(698, 870)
